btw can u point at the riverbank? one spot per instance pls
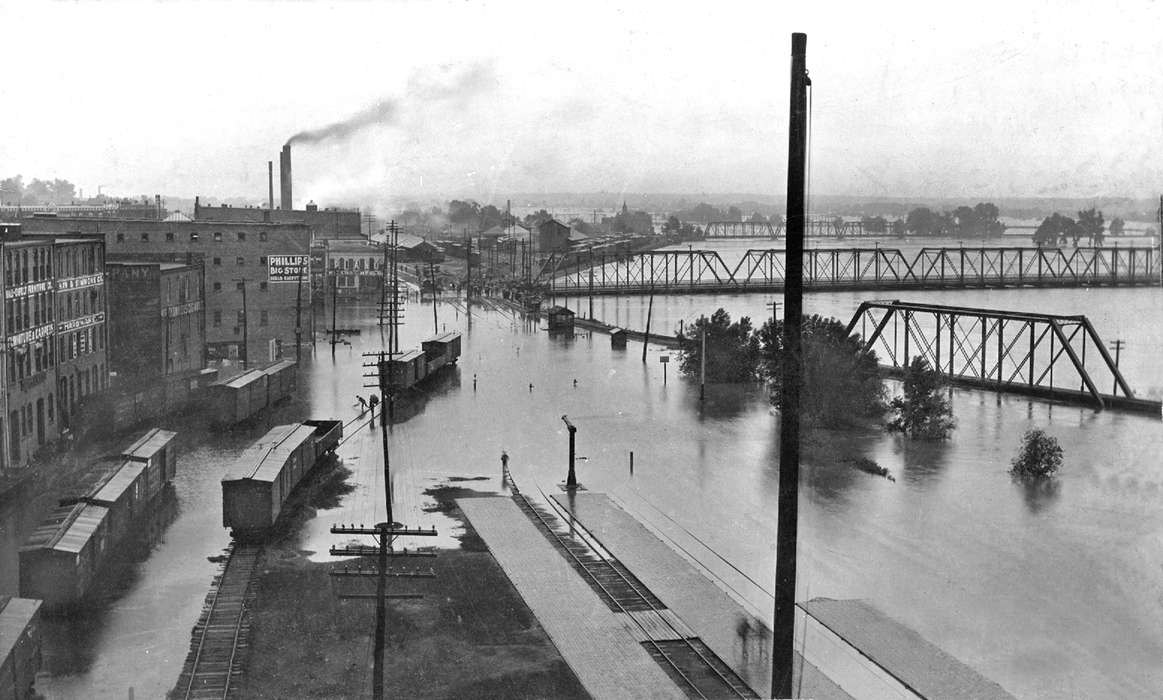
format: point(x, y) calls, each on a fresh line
point(470, 636)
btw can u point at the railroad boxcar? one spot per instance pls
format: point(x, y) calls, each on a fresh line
point(126, 494)
point(327, 436)
point(264, 476)
point(60, 559)
point(236, 399)
point(19, 647)
point(400, 371)
point(441, 350)
point(281, 380)
point(156, 449)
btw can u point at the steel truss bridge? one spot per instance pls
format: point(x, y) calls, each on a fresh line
point(1043, 355)
point(845, 269)
point(813, 228)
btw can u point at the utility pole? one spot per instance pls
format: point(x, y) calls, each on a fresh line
point(468, 265)
point(649, 313)
point(703, 363)
point(1117, 345)
point(245, 324)
point(432, 276)
point(782, 653)
point(299, 318)
point(334, 305)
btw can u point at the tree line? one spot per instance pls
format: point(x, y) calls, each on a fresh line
point(1057, 229)
point(13, 190)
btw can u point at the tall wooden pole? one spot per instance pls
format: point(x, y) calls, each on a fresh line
point(782, 653)
point(299, 318)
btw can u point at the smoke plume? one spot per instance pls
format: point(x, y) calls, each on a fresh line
point(444, 84)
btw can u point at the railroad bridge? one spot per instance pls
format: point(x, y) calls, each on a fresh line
point(834, 227)
point(847, 269)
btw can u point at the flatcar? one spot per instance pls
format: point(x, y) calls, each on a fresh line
point(255, 489)
point(19, 647)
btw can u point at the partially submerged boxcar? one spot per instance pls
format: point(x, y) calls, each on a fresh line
point(255, 489)
point(62, 557)
point(157, 450)
point(239, 398)
point(441, 350)
point(19, 647)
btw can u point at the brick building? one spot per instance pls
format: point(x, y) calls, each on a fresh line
point(157, 319)
point(324, 223)
point(54, 328)
point(251, 275)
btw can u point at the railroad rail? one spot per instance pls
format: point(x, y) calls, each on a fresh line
point(684, 657)
point(848, 269)
point(222, 631)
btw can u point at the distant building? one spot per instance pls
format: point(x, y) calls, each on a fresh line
point(552, 235)
point(323, 223)
point(54, 329)
point(354, 266)
point(157, 319)
point(626, 221)
point(243, 261)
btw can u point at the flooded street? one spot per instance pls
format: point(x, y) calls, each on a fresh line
point(1053, 593)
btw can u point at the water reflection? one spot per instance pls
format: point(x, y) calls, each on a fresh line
point(1038, 494)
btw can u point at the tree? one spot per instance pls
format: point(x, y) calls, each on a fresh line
point(842, 381)
point(874, 224)
point(923, 221)
point(672, 225)
point(757, 218)
point(1090, 224)
point(987, 213)
point(12, 190)
point(1117, 226)
point(732, 348)
point(464, 213)
point(1039, 457)
point(922, 412)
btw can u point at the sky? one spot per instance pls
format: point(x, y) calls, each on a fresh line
point(483, 99)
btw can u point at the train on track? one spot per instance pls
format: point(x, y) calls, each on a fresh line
point(414, 366)
point(241, 397)
point(73, 545)
point(258, 485)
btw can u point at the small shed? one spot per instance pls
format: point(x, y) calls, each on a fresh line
point(617, 337)
point(560, 318)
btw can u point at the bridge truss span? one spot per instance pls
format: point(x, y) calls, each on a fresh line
point(1045, 355)
point(663, 271)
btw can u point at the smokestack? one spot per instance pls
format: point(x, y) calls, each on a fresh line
point(285, 178)
point(270, 184)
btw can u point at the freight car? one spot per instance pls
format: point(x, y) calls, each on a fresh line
point(70, 547)
point(262, 479)
point(19, 647)
point(414, 366)
point(236, 399)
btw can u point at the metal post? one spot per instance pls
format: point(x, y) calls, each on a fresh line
point(703, 363)
point(571, 478)
point(432, 276)
point(299, 319)
point(783, 634)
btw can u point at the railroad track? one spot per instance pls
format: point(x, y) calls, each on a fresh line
point(684, 657)
point(222, 631)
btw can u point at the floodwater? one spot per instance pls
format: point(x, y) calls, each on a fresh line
point(1054, 592)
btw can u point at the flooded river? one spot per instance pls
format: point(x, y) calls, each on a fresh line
point(1054, 592)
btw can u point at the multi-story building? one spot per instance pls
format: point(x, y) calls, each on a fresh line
point(157, 319)
point(325, 224)
point(54, 335)
point(252, 271)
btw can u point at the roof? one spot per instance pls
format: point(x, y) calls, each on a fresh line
point(444, 337)
point(149, 444)
point(575, 235)
point(241, 380)
point(408, 356)
point(407, 240)
point(160, 264)
point(16, 614)
point(560, 310)
point(177, 216)
point(263, 460)
point(494, 232)
point(113, 488)
point(279, 366)
point(67, 529)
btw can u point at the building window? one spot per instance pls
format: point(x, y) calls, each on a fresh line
point(217, 319)
point(241, 317)
point(241, 236)
point(121, 238)
point(145, 238)
point(241, 260)
point(217, 236)
point(262, 286)
point(262, 318)
point(193, 236)
point(262, 260)
point(262, 235)
point(217, 261)
point(240, 286)
point(169, 236)
point(218, 286)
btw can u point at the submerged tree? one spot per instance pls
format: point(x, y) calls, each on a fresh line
point(842, 381)
point(923, 411)
point(1040, 456)
point(732, 348)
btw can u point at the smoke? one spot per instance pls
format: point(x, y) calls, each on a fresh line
point(442, 84)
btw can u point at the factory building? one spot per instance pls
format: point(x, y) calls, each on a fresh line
point(157, 319)
point(54, 328)
point(251, 271)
